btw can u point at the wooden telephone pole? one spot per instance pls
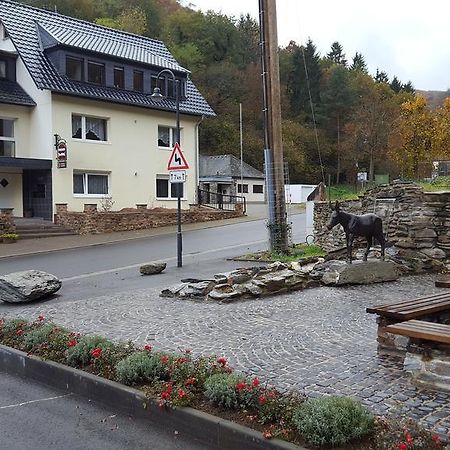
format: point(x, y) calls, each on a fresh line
point(273, 152)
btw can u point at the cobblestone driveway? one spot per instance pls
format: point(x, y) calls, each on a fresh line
point(319, 340)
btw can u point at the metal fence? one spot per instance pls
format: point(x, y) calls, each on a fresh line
point(217, 200)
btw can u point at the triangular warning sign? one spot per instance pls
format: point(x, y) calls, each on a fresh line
point(177, 161)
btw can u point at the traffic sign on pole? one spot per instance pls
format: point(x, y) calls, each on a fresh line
point(177, 161)
point(177, 176)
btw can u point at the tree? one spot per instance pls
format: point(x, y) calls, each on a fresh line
point(441, 141)
point(416, 129)
point(358, 64)
point(408, 87)
point(338, 96)
point(395, 85)
point(248, 36)
point(336, 54)
point(304, 79)
point(381, 77)
point(371, 123)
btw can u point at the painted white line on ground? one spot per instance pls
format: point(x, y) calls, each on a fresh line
point(35, 401)
point(134, 266)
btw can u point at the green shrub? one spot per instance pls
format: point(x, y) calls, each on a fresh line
point(140, 367)
point(332, 421)
point(12, 332)
point(43, 335)
point(80, 354)
point(221, 389)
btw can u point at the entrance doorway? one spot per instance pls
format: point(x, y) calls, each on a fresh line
point(37, 194)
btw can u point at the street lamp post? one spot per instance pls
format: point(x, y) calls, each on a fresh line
point(157, 97)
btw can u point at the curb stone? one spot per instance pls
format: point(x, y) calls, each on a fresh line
point(211, 430)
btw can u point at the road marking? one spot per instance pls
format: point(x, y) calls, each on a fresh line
point(134, 266)
point(35, 401)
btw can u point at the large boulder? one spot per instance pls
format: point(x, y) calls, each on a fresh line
point(21, 287)
point(152, 268)
point(339, 273)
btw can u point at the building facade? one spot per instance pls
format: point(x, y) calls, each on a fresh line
point(88, 88)
point(221, 174)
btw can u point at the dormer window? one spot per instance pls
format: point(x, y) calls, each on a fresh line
point(2, 69)
point(96, 73)
point(138, 81)
point(119, 77)
point(74, 68)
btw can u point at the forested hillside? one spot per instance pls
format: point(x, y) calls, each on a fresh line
point(370, 122)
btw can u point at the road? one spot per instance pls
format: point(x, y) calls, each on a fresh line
point(114, 267)
point(33, 416)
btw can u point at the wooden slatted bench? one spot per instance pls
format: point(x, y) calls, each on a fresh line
point(419, 329)
point(413, 309)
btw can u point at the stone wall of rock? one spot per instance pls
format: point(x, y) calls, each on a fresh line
point(412, 220)
point(91, 221)
point(7, 224)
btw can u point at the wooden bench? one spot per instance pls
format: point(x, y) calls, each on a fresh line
point(419, 329)
point(413, 309)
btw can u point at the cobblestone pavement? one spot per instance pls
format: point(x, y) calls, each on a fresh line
point(320, 341)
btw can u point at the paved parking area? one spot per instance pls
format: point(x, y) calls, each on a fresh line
point(318, 341)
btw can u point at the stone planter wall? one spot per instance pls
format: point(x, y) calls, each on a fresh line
point(7, 224)
point(412, 220)
point(91, 221)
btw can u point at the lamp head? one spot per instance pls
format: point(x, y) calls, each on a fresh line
point(157, 96)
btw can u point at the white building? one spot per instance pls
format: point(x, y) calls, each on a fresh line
point(88, 86)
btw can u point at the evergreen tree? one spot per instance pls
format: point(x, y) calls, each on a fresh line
point(381, 77)
point(300, 79)
point(395, 85)
point(337, 54)
point(408, 87)
point(358, 64)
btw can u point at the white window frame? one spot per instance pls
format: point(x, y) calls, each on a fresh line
point(85, 184)
point(169, 190)
point(9, 138)
point(241, 188)
point(83, 128)
point(172, 134)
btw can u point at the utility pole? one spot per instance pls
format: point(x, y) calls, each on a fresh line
point(273, 152)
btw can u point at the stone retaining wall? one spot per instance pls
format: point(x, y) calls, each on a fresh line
point(7, 224)
point(412, 220)
point(92, 221)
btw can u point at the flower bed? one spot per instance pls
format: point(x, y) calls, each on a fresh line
point(210, 384)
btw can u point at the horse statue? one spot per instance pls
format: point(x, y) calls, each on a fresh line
point(368, 225)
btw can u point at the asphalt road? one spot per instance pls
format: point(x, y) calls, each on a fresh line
point(33, 416)
point(114, 267)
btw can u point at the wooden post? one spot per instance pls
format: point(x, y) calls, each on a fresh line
point(268, 17)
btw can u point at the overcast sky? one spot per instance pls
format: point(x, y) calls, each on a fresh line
point(403, 38)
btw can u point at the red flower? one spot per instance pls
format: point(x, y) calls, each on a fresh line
point(41, 318)
point(181, 393)
point(180, 360)
point(148, 347)
point(402, 446)
point(409, 438)
point(255, 382)
point(240, 386)
point(169, 387)
point(19, 332)
point(72, 343)
point(165, 395)
point(436, 439)
point(97, 352)
point(262, 399)
point(222, 361)
point(164, 359)
point(191, 381)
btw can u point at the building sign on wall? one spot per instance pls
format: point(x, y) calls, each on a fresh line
point(61, 152)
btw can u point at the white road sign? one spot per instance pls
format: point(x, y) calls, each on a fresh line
point(177, 176)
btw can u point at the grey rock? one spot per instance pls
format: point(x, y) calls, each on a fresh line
point(330, 278)
point(172, 291)
point(20, 287)
point(368, 272)
point(434, 253)
point(200, 289)
point(152, 268)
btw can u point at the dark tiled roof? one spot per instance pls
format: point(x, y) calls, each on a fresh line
point(12, 93)
point(226, 166)
point(32, 30)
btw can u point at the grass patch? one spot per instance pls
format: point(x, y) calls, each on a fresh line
point(343, 192)
point(297, 253)
point(437, 185)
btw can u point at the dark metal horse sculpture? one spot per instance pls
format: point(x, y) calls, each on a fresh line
point(368, 225)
